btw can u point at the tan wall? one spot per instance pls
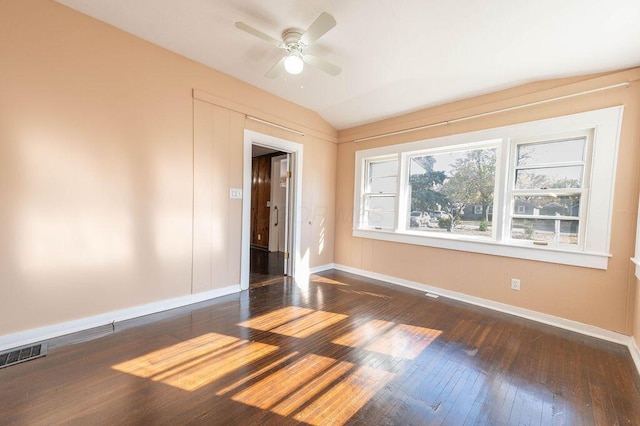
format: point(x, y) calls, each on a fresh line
point(97, 168)
point(595, 297)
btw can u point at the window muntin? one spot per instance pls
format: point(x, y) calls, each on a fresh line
point(549, 177)
point(559, 151)
point(382, 176)
point(548, 182)
point(545, 231)
point(379, 195)
point(447, 186)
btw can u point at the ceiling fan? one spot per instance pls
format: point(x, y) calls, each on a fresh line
point(295, 42)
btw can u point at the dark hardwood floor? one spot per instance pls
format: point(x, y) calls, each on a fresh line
point(337, 350)
point(265, 267)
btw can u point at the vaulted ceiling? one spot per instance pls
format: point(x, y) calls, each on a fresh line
point(396, 56)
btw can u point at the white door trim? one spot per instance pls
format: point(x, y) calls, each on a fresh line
point(255, 138)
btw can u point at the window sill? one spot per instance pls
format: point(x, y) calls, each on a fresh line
point(541, 254)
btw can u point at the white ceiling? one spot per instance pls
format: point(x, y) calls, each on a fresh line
point(396, 55)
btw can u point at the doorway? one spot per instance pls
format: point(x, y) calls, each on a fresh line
point(269, 196)
point(272, 187)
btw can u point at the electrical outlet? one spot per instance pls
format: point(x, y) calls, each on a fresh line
point(515, 284)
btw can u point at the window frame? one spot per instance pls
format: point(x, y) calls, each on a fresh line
point(513, 192)
point(367, 195)
point(462, 147)
point(601, 159)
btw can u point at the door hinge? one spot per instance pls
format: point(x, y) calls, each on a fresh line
point(286, 255)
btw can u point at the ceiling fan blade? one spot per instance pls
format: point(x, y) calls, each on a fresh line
point(325, 66)
point(320, 26)
point(246, 28)
point(276, 70)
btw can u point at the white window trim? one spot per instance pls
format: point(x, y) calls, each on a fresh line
point(636, 260)
point(364, 193)
point(583, 190)
point(406, 156)
point(595, 254)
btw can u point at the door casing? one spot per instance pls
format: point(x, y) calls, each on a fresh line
point(296, 266)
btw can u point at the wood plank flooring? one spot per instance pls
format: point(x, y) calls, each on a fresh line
point(338, 350)
point(265, 267)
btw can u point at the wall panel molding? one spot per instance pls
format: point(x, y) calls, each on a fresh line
point(328, 134)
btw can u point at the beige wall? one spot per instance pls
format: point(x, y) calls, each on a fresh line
point(97, 168)
point(599, 298)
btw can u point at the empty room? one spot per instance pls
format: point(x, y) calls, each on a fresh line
point(319, 212)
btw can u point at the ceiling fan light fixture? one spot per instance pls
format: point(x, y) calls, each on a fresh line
point(293, 64)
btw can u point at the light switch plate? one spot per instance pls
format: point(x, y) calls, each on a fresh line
point(235, 193)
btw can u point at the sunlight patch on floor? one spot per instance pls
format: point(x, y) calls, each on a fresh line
point(315, 385)
point(365, 293)
point(345, 398)
point(294, 321)
point(325, 280)
point(197, 362)
point(398, 340)
point(264, 370)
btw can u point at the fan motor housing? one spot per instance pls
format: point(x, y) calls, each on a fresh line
point(291, 38)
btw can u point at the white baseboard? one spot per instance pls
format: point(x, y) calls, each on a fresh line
point(321, 268)
point(28, 337)
point(566, 324)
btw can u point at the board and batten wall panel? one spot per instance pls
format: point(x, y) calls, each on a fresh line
point(595, 297)
point(217, 145)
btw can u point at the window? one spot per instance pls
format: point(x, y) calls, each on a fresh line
point(446, 184)
point(379, 196)
point(541, 190)
point(547, 187)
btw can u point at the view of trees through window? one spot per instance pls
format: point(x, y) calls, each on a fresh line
point(453, 192)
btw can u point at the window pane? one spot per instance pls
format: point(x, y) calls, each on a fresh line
point(548, 206)
point(386, 184)
point(383, 176)
point(378, 219)
point(381, 203)
point(549, 177)
point(454, 190)
point(383, 168)
point(545, 230)
point(551, 152)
